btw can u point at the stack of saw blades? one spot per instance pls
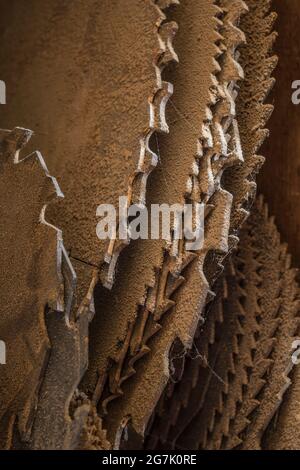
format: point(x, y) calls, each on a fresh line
point(128, 343)
point(238, 371)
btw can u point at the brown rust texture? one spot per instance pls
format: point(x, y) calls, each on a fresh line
point(237, 373)
point(90, 80)
point(283, 432)
point(188, 302)
point(53, 427)
point(143, 256)
point(82, 81)
point(258, 63)
point(193, 83)
point(30, 279)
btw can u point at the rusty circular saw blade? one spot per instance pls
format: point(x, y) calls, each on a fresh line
point(53, 427)
point(93, 93)
point(107, 97)
point(36, 274)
